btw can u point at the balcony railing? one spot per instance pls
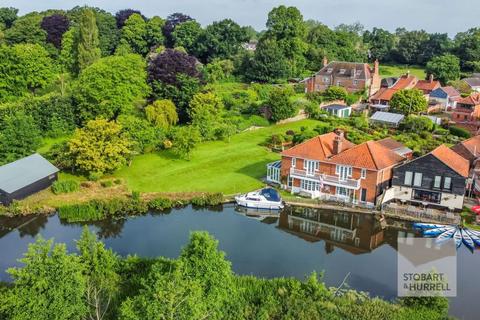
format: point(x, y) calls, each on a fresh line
point(326, 179)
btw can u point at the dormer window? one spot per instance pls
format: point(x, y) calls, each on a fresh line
point(342, 71)
point(329, 70)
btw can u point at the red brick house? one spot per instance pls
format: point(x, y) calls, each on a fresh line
point(468, 109)
point(331, 167)
point(352, 76)
point(384, 95)
point(428, 86)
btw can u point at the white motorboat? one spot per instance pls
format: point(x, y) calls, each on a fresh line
point(267, 198)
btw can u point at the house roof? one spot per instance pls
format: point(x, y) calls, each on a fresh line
point(452, 159)
point(370, 155)
point(470, 146)
point(336, 107)
point(390, 143)
point(352, 70)
point(473, 99)
point(427, 86)
point(21, 173)
point(317, 148)
point(387, 117)
point(445, 92)
point(388, 82)
point(472, 82)
point(405, 82)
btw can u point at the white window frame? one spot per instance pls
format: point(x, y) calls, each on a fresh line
point(437, 182)
point(417, 179)
point(449, 179)
point(363, 173)
point(294, 162)
point(408, 180)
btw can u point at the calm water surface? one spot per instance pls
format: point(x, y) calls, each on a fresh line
point(295, 243)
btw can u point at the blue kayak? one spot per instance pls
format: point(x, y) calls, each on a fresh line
point(467, 240)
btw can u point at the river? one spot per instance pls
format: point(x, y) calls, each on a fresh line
point(296, 243)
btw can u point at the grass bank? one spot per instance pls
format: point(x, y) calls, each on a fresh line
point(398, 70)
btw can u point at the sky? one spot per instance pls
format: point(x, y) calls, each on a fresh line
point(444, 16)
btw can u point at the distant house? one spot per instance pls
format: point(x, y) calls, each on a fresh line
point(24, 177)
point(396, 147)
point(352, 76)
point(385, 94)
point(338, 110)
point(473, 83)
point(467, 109)
point(387, 119)
point(250, 46)
point(470, 150)
point(331, 167)
point(427, 86)
point(437, 179)
point(445, 97)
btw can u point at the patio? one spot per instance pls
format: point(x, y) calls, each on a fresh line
point(422, 213)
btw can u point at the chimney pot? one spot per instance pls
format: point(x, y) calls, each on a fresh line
point(431, 77)
point(325, 61)
point(337, 142)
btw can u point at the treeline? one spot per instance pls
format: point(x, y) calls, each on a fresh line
point(109, 87)
point(96, 283)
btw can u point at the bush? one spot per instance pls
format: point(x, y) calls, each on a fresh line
point(160, 204)
point(208, 199)
point(459, 132)
point(95, 176)
point(65, 186)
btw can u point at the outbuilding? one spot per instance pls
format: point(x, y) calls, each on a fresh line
point(24, 177)
point(387, 119)
point(338, 110)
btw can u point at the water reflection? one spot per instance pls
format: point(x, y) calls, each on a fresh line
point(26, 225)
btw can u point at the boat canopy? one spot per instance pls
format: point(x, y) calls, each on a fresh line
point(270, 194)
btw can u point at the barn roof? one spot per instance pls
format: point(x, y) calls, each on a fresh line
point(21, 173)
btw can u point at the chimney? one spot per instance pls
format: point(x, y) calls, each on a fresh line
point(325, 61)
point(337, 142)
point(431, 77)
point(376, 67)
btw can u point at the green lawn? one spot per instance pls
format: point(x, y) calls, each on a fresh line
point(218, 166)
point(398, 70)
point(47, 143)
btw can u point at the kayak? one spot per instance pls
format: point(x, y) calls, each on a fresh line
point(436, 231)
point(458, 238)
point(467, 240)
point(446, 235)
point(419, 225)
point(474, 237)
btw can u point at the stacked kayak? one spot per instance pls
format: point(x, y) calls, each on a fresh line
point(461, 235)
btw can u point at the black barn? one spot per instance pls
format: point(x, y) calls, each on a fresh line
point(24, 177)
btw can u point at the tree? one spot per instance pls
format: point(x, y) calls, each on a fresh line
point(110, 87)
point(206, 111)
point(468, 49)
point(144, 137)
point(410, 47)
point(134, 33)
point(280, 105)
point(418, 123)
point(19, 137)
point(334, 93)
point(380, 43)
point(218, 70)
point(100, 272)
point(187, 35)
point(8, 16)
point(184, 140)
point(172, 22)
point(55, 26)
point(222, 40)
point(437, 44)
point(268, 63)
point(123, 15)
point(88, 43)
point(68, 57)
point(202, 261)
point(444, 68)
point(408, 101)
point(154, 35)
point(99, 147)
point(26, 29)
point(50, 285)
point(162, 113)
point(25, 68)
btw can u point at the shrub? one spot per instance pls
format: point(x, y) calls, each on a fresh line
point(65, 186)
point(208, 199)
point(459, 132)
point(80, 212)
point(95, 176)
point(117, 181)
point(160, 204)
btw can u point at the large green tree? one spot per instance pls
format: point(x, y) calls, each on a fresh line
point(268, 63)
point(408, 101)
point(27, 29)
point(134, 34)
point(110, 87)
point(410, 46)
point(206, 111)
point(99, 147)
point(19, 137)
point(49, 285)
point(8, 16)
point(468, 49)
point(444, 68)
point(187, 35)
point(380, 43)
point(154, 35)
point(280, 105)
point(88, 44)
point(162, 113)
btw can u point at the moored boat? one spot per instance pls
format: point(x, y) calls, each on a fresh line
point(266, 198)
point(467, 240)
point(446, 235)
point(436, 231)
point(457, 236)
point(475, 238)
point(422, 226)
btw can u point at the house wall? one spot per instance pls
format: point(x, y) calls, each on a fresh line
point(430, 167)
point(7, 198)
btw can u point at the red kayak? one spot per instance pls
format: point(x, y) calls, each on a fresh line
point(476, 209)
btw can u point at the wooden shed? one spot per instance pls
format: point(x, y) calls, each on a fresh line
point(24, 177)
